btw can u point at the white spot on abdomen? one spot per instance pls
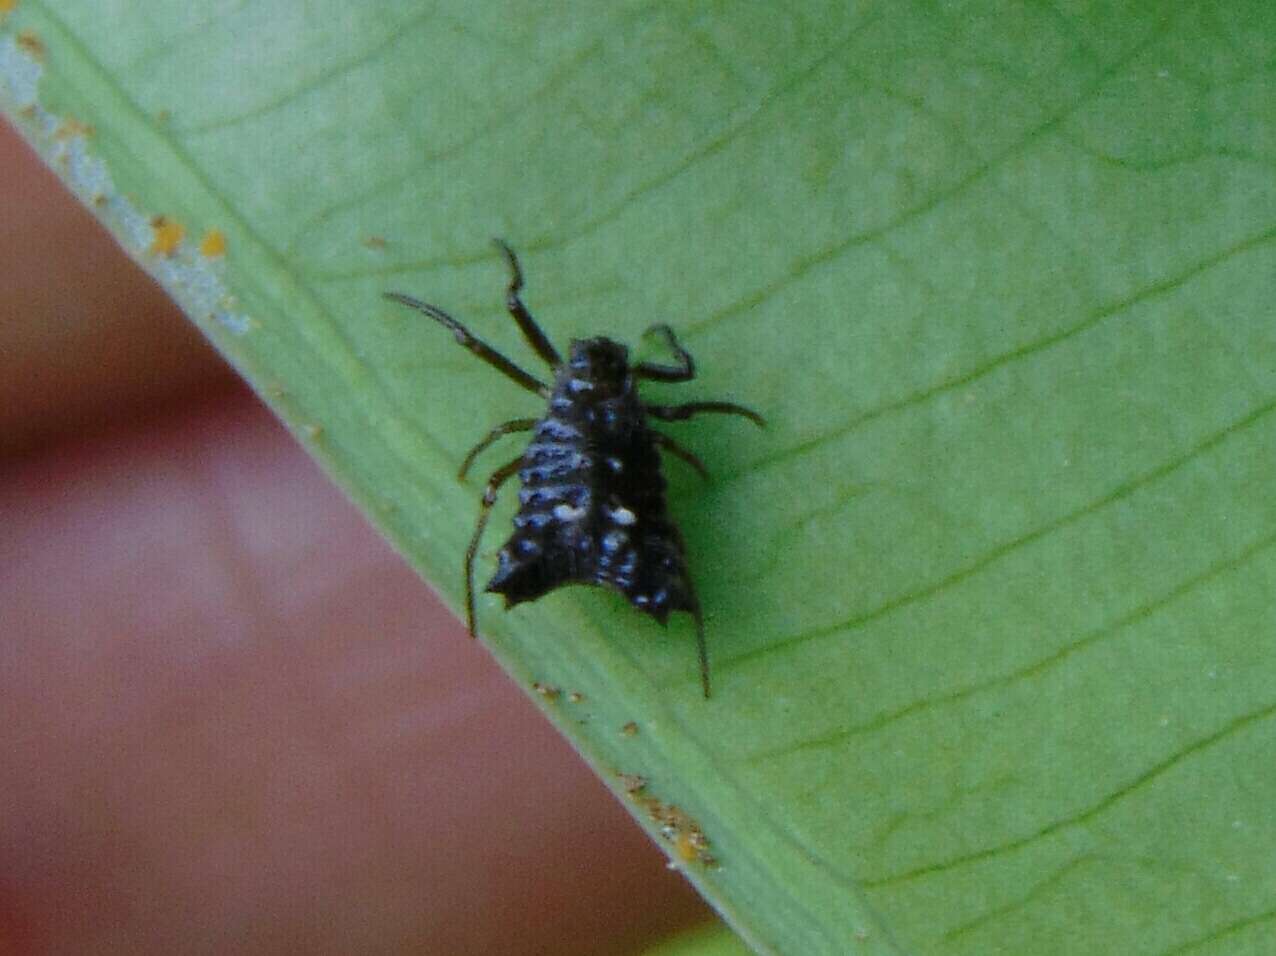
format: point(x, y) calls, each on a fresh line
point(623, 516)
point(565, 512)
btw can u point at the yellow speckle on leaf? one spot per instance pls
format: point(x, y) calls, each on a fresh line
point(689, 842)
point(28, 41)
point(167, 235)
point(630, 729)
point(632, 782)
point(8, 6)
point(686, 848)
point(548, 691)
point(374, 242)
point(213, 244)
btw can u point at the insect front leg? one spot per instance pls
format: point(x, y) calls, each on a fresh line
point(680, 413)
point(498, 478)
point(535, 336)
point(500, 431)
point(684, 371)
point(468, 340)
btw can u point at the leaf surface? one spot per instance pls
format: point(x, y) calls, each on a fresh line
point(990, 602)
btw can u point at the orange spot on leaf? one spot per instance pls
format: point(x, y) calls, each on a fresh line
point(28, 41)
point(72, 127)
point(213, 244)
point(167, 235)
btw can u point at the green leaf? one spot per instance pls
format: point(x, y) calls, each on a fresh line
point(990, 603)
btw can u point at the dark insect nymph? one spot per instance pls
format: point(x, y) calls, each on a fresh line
point(592, 506)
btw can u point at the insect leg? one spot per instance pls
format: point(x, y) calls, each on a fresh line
point(685, 371)
point(680, 413)
point(531, 331)
point(702, 648)
point(671, 446)
point(693, 608)
point(480, 348)
point(498, 478)
point(500, 431)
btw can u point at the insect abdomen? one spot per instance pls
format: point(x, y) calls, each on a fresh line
point(592, 509)
point(548, 546)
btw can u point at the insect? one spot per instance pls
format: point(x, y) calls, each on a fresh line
point(592, 503)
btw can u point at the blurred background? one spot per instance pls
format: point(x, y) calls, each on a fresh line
point(230, 718)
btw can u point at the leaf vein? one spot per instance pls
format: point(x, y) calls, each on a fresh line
point(1025, 351)
point(1119, 493)
point(810, 261)
point(1137, 784)
point(1037, 890)
point(556, 79)
point(1222, 932)
point(325, 76)
point(710, 147)
point(1139, 614)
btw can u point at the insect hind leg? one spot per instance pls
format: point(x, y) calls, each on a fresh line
point(668, 444)
point(680, 413)
point(692, 606)
point(701, 648)
point(531, 330)
point(498, 478)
